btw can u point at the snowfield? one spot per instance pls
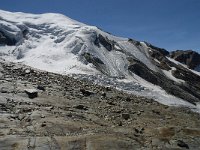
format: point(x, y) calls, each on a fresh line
point(56, 43)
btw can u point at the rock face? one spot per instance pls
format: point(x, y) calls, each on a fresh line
point(189, 90)
point(142, 70)
point(188, 57)
point(72, 114)
point(101, 40)
point(157, 52)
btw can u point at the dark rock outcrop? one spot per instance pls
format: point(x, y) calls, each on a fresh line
point(157, 49)
point(91, 59)
point(5, 40)
point(188, 57)
point(108, 44)
point(185, 90)
point(141, 70)
point(98, 63)
point(137, 43)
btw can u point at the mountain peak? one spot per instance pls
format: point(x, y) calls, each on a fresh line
point(50, 18)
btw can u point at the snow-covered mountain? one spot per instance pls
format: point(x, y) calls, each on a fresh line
point(56, 43)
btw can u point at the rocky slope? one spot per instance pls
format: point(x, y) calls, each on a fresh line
point(42, 110)
point(188, 87)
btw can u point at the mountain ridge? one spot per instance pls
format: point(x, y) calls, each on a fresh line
point(58, 44)
point(65, 85)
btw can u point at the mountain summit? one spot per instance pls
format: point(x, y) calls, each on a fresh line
point(56, 43)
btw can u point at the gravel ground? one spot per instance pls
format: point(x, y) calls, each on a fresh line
point(45, 111)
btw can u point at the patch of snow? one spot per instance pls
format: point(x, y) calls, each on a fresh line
point(117, 47)
point(157, 61)
point(144, 44)
point(178, 63)
point(140, 54)
point(56, 43)
point(5, 50)
point(170, 76)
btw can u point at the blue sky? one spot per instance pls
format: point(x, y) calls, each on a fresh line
point(171, 24)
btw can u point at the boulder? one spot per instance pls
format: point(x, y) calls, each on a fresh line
point(81, 107)
point(32, 93)
point(40, 87)
point(182, 144)
point(86, 92)
point(125, 116)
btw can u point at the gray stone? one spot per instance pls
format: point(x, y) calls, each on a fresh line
point(32, 93)
point(125, 116)
point(182, 144)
